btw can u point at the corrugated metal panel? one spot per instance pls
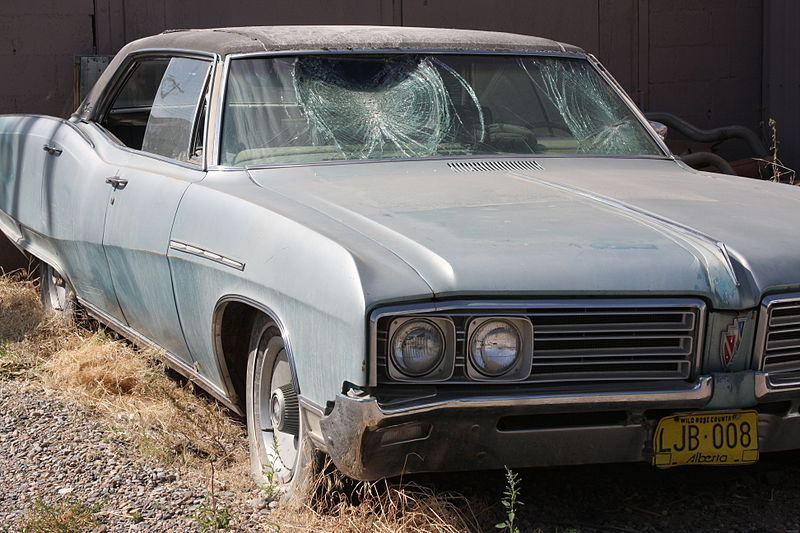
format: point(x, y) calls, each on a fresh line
point(781, 81)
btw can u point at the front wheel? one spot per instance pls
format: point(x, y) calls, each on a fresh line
point(280, 452)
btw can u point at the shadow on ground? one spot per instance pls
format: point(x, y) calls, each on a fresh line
point(639, 498)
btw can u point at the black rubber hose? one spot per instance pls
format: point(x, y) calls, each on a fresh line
point(702, 159)
point(709, 136)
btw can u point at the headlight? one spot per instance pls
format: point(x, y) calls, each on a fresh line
point(495, 347)
point(417, 347)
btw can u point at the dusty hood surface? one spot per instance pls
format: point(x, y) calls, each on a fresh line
point(599, 226)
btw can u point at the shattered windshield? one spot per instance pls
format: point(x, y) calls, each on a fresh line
point(311, 108)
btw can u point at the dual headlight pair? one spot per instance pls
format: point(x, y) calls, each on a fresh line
point(423, 349)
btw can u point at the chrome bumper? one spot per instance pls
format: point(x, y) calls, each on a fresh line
point(369, 440)
point(765, 392)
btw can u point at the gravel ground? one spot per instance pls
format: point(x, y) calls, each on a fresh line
point(52, 452)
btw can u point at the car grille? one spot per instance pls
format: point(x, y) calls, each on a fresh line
point(595, 341)
point(781, 345)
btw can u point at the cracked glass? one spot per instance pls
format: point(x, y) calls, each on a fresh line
point(310, 108)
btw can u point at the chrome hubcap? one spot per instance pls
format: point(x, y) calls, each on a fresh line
point(277, 410)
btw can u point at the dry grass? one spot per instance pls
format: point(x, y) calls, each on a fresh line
point(28, 335)
point(378, 507)
point(165, 418)
point(129, 388)
point(20, 309)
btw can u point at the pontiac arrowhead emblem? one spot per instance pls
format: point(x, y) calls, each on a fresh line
point(731, 338)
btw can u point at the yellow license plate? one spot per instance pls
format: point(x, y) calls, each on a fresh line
point(706, 438)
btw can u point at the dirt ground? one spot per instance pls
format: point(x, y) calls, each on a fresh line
point(764, 497)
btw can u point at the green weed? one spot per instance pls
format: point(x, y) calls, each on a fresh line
point(511, 501)
point(211, 517)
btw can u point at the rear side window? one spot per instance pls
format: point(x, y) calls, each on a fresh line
point(156, 109)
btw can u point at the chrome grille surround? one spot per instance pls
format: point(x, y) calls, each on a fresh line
point(777, 349)
point(575, 341)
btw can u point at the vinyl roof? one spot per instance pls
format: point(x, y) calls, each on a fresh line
point(226, 41)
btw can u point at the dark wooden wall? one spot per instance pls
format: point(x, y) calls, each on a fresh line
point(709, 61)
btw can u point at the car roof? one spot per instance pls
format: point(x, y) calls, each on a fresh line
point(226, 41)
point(254, 39)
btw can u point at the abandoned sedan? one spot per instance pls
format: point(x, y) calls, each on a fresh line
point(416, 250)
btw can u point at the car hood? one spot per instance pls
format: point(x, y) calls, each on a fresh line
point(578, 226)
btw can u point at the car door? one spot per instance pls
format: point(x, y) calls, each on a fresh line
point(158, 112)
point(75, 197)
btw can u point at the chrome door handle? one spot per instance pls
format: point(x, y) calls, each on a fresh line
point(52, 150)
point(117, 183)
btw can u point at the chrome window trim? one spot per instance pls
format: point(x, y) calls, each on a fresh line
point(210, 77)
point(762, 329)
point(439, 158)
point(223, 89)
point(606, 75)
point(222, 93)
point(214, 112)
point(494, 305)
point(110, 138)
point(112, 86)
point(122, 74)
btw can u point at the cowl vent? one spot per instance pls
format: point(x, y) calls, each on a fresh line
point(494, 166)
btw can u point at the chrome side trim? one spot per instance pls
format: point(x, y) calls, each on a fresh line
point(170, 359)
point(216, 327)
point(206, 254)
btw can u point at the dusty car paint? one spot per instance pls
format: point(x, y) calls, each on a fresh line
point(161, 248)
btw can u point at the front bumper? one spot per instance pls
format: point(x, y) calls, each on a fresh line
point(368, 439)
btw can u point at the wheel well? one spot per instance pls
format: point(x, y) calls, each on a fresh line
point(233, 325)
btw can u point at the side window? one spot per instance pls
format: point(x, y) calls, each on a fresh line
point(156, 108)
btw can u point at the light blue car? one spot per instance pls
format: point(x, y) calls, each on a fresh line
point(416, 250)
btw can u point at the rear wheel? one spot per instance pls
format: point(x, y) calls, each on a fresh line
point(280, 453)
point(56, 292)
